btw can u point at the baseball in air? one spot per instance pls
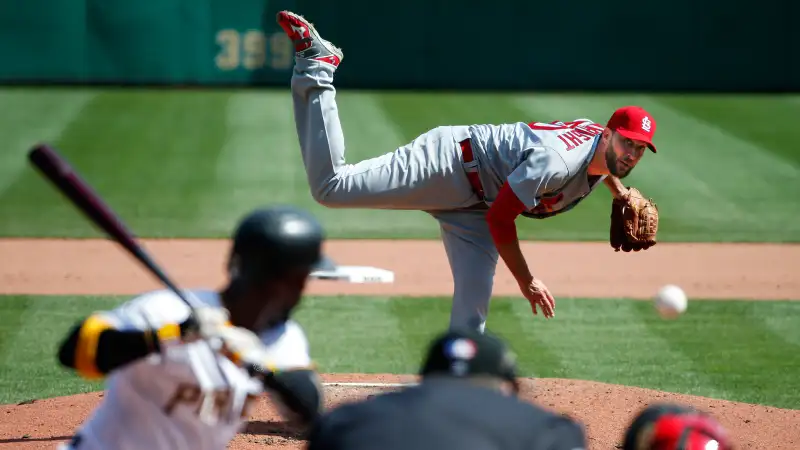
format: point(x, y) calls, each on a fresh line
point(670, 301)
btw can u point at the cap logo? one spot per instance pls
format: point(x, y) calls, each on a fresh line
point(460, 349)
point(646, 124)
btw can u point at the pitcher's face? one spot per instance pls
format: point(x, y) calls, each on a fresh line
point(622, 154)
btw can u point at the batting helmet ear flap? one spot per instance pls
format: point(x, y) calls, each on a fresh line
point(641, 429)
point(701, 427)
point(675, 427)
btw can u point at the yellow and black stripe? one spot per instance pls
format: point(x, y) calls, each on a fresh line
point(87, 344)
point(94, 347)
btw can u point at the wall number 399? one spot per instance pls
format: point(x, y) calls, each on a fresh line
point(253, 50)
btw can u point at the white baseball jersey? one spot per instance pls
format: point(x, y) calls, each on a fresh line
point(545, 163)
point(163, 401)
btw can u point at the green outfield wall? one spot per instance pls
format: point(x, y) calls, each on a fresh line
point(513, 44)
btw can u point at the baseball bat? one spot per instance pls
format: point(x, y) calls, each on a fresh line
point(56, 169)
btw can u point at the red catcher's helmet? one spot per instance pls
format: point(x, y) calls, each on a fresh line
point(675, 427)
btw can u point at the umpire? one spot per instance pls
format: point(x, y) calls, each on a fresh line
point(466, 399)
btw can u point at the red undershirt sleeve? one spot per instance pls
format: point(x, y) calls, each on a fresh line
point(502, 214)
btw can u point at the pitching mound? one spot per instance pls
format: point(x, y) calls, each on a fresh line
point(605, 409)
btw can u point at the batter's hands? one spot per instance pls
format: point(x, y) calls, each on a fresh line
point(538, 295)
point(238, 344)
point(204, 322)
point(244, 347)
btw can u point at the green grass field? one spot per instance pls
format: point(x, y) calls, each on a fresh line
point(735, 350)
point(187, 163)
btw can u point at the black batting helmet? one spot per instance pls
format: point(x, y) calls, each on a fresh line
point(271, 240)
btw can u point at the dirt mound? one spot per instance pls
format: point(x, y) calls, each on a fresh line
point(606, 410)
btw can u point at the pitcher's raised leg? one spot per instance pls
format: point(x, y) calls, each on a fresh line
point(426, 173)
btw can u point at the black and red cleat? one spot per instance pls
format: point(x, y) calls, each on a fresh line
point(307, 42)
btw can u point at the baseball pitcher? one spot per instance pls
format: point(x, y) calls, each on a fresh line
point(474, 179)
point(167, 388)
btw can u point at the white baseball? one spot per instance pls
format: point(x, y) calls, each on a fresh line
point(670, 301)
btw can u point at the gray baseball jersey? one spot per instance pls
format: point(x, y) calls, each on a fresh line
point(545, 164)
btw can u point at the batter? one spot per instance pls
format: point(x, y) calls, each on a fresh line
point(474, 179)
point(167, 389)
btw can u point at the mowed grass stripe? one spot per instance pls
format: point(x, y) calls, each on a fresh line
point(732, 350)
point(14, 318)
point(604, 340)
point(736, 350)
point(31, 117)
point(418, 112)
point(353, 334)
point(149, 155)
point(30, 367)
point(258, 163)
point(766, 120)
point(782, 320)
point(744, 182)
point(512, 319)
point(419, 320)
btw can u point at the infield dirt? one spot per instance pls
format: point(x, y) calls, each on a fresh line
point(586, 270)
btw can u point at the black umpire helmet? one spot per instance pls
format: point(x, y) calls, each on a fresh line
point(467, 352)
point(272, 240)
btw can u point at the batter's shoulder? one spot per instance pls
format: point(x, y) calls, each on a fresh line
point(157, 308)
point(287, 345)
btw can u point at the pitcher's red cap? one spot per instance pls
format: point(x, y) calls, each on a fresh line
point(634, 122)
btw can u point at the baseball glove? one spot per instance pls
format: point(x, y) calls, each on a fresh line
point(634, 222)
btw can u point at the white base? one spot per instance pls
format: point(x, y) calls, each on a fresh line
point(355, 274)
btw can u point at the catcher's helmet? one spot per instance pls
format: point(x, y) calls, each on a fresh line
point(269, 241)
point(667, 426)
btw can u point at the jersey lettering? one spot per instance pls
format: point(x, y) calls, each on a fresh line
point(572, 134)
point(191, 394)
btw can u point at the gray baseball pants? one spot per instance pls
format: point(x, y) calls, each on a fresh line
point(426, 174)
